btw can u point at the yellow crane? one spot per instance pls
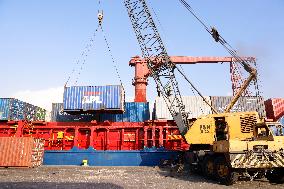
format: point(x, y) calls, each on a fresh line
point(222, 145)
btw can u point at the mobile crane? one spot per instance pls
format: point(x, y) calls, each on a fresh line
point(222, 145)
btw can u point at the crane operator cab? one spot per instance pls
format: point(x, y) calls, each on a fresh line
point(221, 129)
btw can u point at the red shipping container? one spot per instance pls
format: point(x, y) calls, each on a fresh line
point(274, 108)
point(21, 152)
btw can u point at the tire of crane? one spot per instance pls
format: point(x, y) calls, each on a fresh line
point(275, 176)
point(208, 167)
point(223, 171)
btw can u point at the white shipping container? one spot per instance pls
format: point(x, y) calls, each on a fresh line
point(194, 107)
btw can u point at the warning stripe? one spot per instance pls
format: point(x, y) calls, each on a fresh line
point(252, 160)
point(174, 137)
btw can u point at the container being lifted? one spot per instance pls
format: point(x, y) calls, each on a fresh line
point(93, 99)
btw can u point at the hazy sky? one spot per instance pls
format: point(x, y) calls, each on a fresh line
point(40, 42)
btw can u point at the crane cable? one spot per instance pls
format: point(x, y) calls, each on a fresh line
point(84, 61)
point(217, 37)
point(82, 56)
point(112, 57)
point(100, 18)
point(84, 53)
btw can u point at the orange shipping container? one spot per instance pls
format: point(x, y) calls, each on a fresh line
point(274, 108)
point(21, 152)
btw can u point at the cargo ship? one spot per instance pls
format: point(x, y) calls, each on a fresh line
point(95, 126)
point(103, 138)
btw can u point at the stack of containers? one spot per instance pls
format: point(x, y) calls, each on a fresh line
point(244, 104)
point(133, 112)
point(84, 99)
point(194, 107)
point(14, 109)
point(274, 108)
point(21, 152)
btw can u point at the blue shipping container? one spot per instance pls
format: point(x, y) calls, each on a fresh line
point(93, 98)
point(14, 109)
point(134, 112)
point(5, 106)
point(281, 120)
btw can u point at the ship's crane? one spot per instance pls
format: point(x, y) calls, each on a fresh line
point(222, 145)
point(140, 80)
point(161, 68)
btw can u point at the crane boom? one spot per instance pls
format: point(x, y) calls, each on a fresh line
point(154, 52)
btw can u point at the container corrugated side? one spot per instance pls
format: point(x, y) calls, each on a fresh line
point(93, 98)
point(21, 152)
point(244, 104)
point(5, 106)
point(58, 115)
point(281, 120)
point(40, 114)
point(194, 107)
point(274, 108)
point(14, 109)
point(134, 112)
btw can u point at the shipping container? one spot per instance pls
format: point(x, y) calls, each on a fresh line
point(5, 106)
point(281, 120)
point(194, 107)
point(134, 112)
point(58, 115)
point(78, 99)
point(21, 152)
point(274, 108)
point(244, 104)
point(14, 109)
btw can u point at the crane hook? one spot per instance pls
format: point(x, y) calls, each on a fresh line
point(100, 17)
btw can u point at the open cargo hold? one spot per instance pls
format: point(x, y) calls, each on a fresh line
point(81, 99)
point(108, 143)
point(100, 136)
point(21, 152)
point(274, 108)
point(194, 106)
point(14, 109)
point(133, 112)
point(244, 104)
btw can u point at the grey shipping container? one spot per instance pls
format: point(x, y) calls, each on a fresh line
point(80, 99)
point(194, 107)
point(14, 109)
point(244, 104)
point(58, 115)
